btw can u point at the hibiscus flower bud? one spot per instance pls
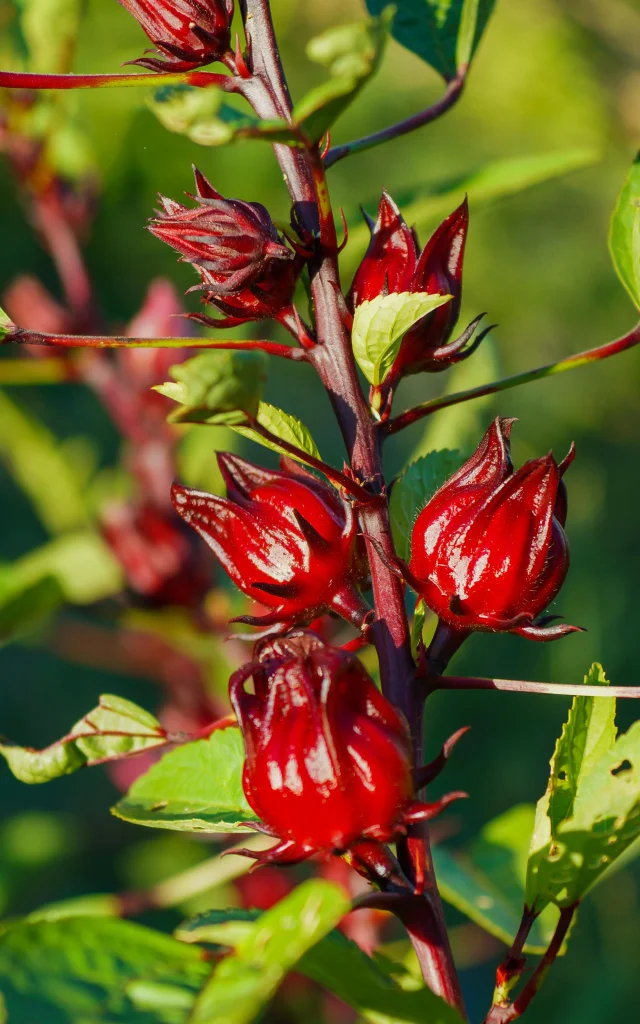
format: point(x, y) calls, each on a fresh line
point(187, 33)
point(246, 268)
point(328, 758)
point(285, 538)
point(489, 550)
point(393, 263)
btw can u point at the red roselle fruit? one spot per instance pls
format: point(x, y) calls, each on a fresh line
point(187, 33)
point(328, 758)
point(393, 263)
point(285, 538)
point(489, 550)
point(247, 270)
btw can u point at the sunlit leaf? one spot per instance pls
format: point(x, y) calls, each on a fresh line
point(415, 486)
point(368, 985)
point(352, 53)
point(285, 426)
point(196, 788)
point(217, 387)
point(205, 118)
point(116, 728)
point(624, 237)
point(95, 969)
point(380, 325)
point(590, 813)
point(25, 605)
point(444, 33)
point(81, 563)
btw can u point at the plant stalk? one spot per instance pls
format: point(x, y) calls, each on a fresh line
point(524, 686)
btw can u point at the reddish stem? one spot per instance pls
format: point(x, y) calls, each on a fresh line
point(27, 80)
point(448, 99)
point(23, 336)
point(524, 686)
point(591, 355)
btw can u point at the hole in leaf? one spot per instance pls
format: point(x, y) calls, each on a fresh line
point(625, 766)
point(562, 776)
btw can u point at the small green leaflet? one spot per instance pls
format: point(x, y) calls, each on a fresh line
point(368, 985)
point(116, 728)
point(590, 813)
point(352, 53)
point(624, 235)
point(380, 325)
point(415, 486)
point(417, 625)
point(97, 969)
point(25, 605)
point(6, 325)
point(245, 981)
point(486, 882)
point(220, 388)
point(444, 33)
point(284, 425)
point(196, 788)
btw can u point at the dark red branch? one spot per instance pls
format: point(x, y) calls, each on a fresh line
point(448, 99)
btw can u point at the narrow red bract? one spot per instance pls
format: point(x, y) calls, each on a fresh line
point(393, 263)
point(489, 550)
point(246, 268)
point(285, 538)
point(187, 33)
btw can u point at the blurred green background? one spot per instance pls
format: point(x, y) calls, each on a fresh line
point(551, 75)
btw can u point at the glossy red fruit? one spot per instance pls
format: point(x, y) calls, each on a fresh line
point(187, 33)
point(328, 758)
point(285, 538)
point(489, 551)
point(246, 268)
point(393, 263)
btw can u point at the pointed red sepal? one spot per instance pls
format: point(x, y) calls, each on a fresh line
point(284, 852)
point(427, 812)
point(425, 775)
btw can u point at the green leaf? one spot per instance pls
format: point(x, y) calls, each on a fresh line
point(380, 325)
point(50, 29)
point(495, 180)
point(82, 564)
point(352, 53)
point(217, 387)
point(24, 605)
point(624, 236)
point(204, 118)
point(97, 970)
point(441, 32)
point(244, 982)
point(116, 728)
point(43, 469)
point(7, 325)
point(196, 788)
point(283, 425)
point(368, 985)
point(417, 626)
point(590, 813)
point(415, 486)
point(487, 882)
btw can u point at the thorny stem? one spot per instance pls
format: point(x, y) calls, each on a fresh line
point(333, 359)
point(448, 99)
point(523, 686)
point(505, 1014)
point(27, 80)
point(591, 355)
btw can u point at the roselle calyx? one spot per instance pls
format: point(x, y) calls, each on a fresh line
point(328, 758)
point(246, 268)
point(286, 539)
point(186, 33)
point(393, 263)
point(489, 551)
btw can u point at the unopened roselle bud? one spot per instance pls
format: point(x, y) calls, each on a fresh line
point(285, 538)
point(246, 268)
point(328, 758)
point(393, 263)
point(489, 551)
point(187, 33)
